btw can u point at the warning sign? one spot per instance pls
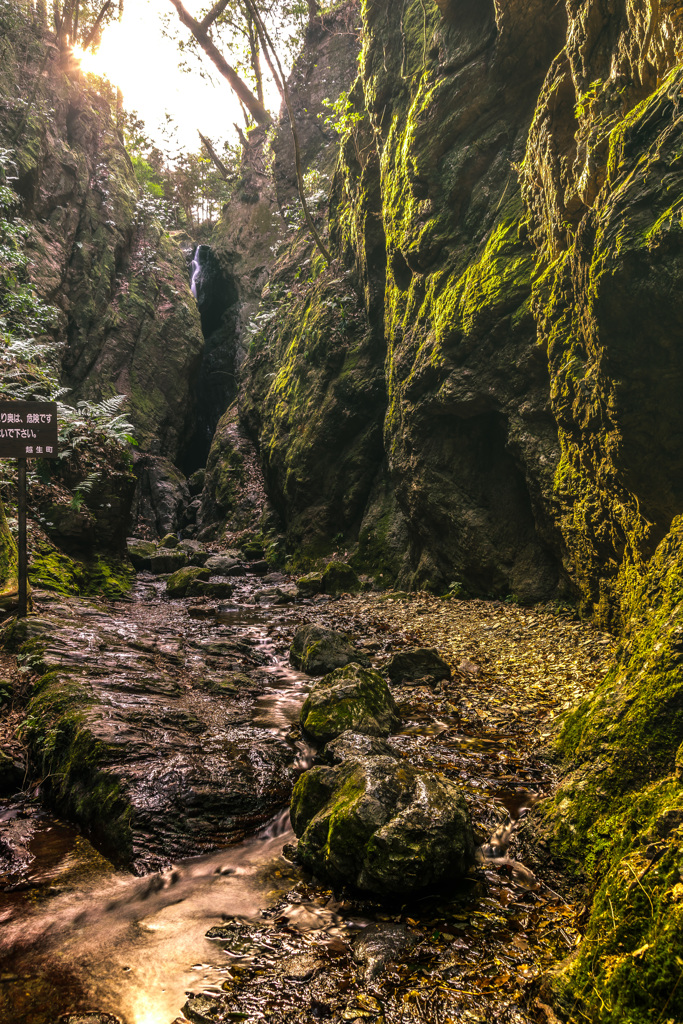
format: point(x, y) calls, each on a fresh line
point(28, 430)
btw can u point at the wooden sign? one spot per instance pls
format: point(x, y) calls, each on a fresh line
point(28, 430)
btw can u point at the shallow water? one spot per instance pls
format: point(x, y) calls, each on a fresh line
point(123, 944)
point(77, 935)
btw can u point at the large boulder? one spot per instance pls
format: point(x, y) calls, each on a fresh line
point(349, 699)
point(178, 584)
point(163, 561)
point(340, 578)
point(411, 665)
point(381, 826)
point(317, 650)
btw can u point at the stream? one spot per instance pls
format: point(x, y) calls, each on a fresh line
point(78, 935)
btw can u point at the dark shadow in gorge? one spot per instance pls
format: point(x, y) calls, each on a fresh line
point(215, 290)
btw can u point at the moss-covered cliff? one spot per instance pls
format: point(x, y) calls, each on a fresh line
point(126, 320)
point(506, 220)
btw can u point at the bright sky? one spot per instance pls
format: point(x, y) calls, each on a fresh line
point(136, 57)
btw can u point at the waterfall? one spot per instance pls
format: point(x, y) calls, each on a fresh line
point(195, 271)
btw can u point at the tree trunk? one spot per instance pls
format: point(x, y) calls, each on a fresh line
point(256, 109)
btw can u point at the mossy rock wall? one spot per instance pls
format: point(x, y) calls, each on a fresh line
point(603, 187)
point(127, 320)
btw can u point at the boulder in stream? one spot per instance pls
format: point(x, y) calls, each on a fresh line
point(317, 650)
point(381, 826)
point(353, 699)
point(177, 585)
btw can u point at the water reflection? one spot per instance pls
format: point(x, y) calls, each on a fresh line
point(124, 944)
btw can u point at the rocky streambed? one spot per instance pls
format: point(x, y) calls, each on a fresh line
point(167, 732)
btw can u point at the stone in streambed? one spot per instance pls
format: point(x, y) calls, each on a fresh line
point(310, 584)
point(141, 552)
point(204, 1009)
point(379, 945)
point(218, 588)
point(220, 565)
point(167, 561)
point(355, 745)
point(340, 578)
point(407, 666)
point(317, 650)
point(170, 541)
point(350, 699)
point(382, 826)
point(179, 583)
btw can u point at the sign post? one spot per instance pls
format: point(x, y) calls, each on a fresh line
point(28, 430)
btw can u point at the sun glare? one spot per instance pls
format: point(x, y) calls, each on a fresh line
point(137, 58)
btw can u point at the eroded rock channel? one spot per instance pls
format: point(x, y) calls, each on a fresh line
point(163, 740)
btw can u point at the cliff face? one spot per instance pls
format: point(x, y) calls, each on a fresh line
point(505, 304)
point(127, 321)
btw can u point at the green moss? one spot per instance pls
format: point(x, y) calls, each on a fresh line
point(70, 758)
point(101, 576)
point(8, 563)
point(618, 816)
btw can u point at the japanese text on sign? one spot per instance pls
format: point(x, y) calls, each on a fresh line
point(28, 430)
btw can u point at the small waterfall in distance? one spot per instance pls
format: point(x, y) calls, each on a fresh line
point(215, 292)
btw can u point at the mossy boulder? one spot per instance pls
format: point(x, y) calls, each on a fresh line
point(416, 664)
point(381, 826)
point(253, 550)
point(340, 578)
point(140, 552)
point(317, 650)
point(164, 561)
point(201, 587)
point(171, 540)
point(178, 584)
point(310, 584)
point(349, 699)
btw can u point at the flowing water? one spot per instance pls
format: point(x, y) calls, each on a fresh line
point(75, 934)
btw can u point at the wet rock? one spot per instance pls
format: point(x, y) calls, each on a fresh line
point(340, 578)
point(178, 584)
point(259, 568)
point(301, 966)
point(196, 552)
point(219, 588)
point(141, 552)
point(379, 945)
point(167, 561)
point(350, 699)
point(355, 745)
point(220, 565)
point(89, 1017)
point(204, 1009)
point(139, 743)
point(317, 650)
point(407, 666)
point(310, 584)
point(381, 826)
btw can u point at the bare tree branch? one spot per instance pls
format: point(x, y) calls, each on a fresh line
point(256, 109)
point(214, 157)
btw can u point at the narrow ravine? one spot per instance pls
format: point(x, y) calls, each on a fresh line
point(79, 935)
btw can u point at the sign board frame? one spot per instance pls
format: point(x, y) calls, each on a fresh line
point(28, 430)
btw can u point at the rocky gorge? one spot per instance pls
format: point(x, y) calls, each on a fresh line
point(469, 415)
